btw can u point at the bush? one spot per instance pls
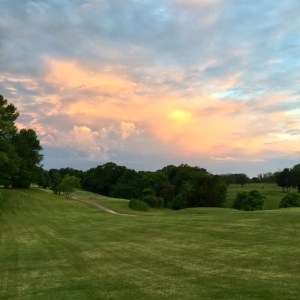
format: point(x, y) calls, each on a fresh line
point(290, 200)
point(153, 201)
point(138, 205)
point(253, 200)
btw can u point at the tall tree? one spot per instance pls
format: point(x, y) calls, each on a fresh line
point(9, 160)
point(8, 116)
point(28, 149)
point(284, 179)
point(295, 174)
point(241, 179)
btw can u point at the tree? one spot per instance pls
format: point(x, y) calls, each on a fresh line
point(19, 150)
point(28, 149)
point(68, 184)
point(290, 200)
point(138, 205)
point(55, 180)
point(295, 174)
point(102, 179)
point(42, 178)
point(210, 191)
point(128, 186)
point(284, 179)
point(252, 200)
point(184, 197)
point(9, 160)
point(241, 179)
point(8, 116)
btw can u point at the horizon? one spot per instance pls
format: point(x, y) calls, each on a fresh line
point(146, 84)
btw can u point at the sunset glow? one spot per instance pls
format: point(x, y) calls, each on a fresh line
point(146, 84)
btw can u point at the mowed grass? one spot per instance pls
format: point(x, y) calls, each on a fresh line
point(53, 248)
point(272, 192)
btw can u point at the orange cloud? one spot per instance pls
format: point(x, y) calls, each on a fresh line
point(198, 124)
point(70, 75)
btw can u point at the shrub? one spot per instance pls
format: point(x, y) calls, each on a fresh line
point(138, 205)
point(290, 200)
point(153, 201)
point(148, 192)
point(253, 200)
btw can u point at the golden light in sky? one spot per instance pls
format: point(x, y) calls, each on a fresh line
point(146, 82)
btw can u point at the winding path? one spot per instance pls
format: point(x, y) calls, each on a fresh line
point(100, 207)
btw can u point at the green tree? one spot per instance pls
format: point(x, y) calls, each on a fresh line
point(68, 184)
point(9, 160)
point(295, 174)
point(55, 180)
point(284, 179)
point(8, 116)
point(28, 149)
point(290, 200)
point(138, 205)
point(19, 150)
point(42, 178)
point(102, 179)
point(183, 197)
point(249, 201)
point(128, 186)
point(210, 191)
point(241, 179)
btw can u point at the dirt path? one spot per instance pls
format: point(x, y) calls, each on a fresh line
point(101, 207)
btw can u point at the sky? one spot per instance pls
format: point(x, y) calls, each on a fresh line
point(148, 83)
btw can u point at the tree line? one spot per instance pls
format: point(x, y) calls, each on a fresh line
point(172, 186)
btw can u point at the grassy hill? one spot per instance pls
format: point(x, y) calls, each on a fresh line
point(53, 248)
point(272, 192)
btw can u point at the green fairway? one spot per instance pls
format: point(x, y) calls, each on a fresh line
point(272, 192)
point(53, 248)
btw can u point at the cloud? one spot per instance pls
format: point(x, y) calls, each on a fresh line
point(189, 78)
point(128, 129)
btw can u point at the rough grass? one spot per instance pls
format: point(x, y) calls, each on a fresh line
point(272, 192)
point(53, 248)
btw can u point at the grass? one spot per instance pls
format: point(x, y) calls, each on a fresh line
point(272, 192)
point(53, 248)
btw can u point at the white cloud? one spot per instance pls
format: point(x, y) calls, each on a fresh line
point(127, 129)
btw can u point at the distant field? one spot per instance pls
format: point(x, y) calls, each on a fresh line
point(53, 248)
point(272, 192)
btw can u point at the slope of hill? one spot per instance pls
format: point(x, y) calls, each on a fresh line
point(53, 248)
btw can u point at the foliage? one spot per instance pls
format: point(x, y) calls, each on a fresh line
point(163, 188)
point(242, 179)
point(284, 179)
point(28, 149)
point(128, 186)
point(153, 201)
point(68, 184)
point(268, 177)
point(290, 200)
point(295, 174)
point(183, 197)
point(19, 150)
point(138, 205)
point(239, 178)
point(55, 180)
point(8, 116)
point(248, 201)
point(102, 179)
point(42, 178)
